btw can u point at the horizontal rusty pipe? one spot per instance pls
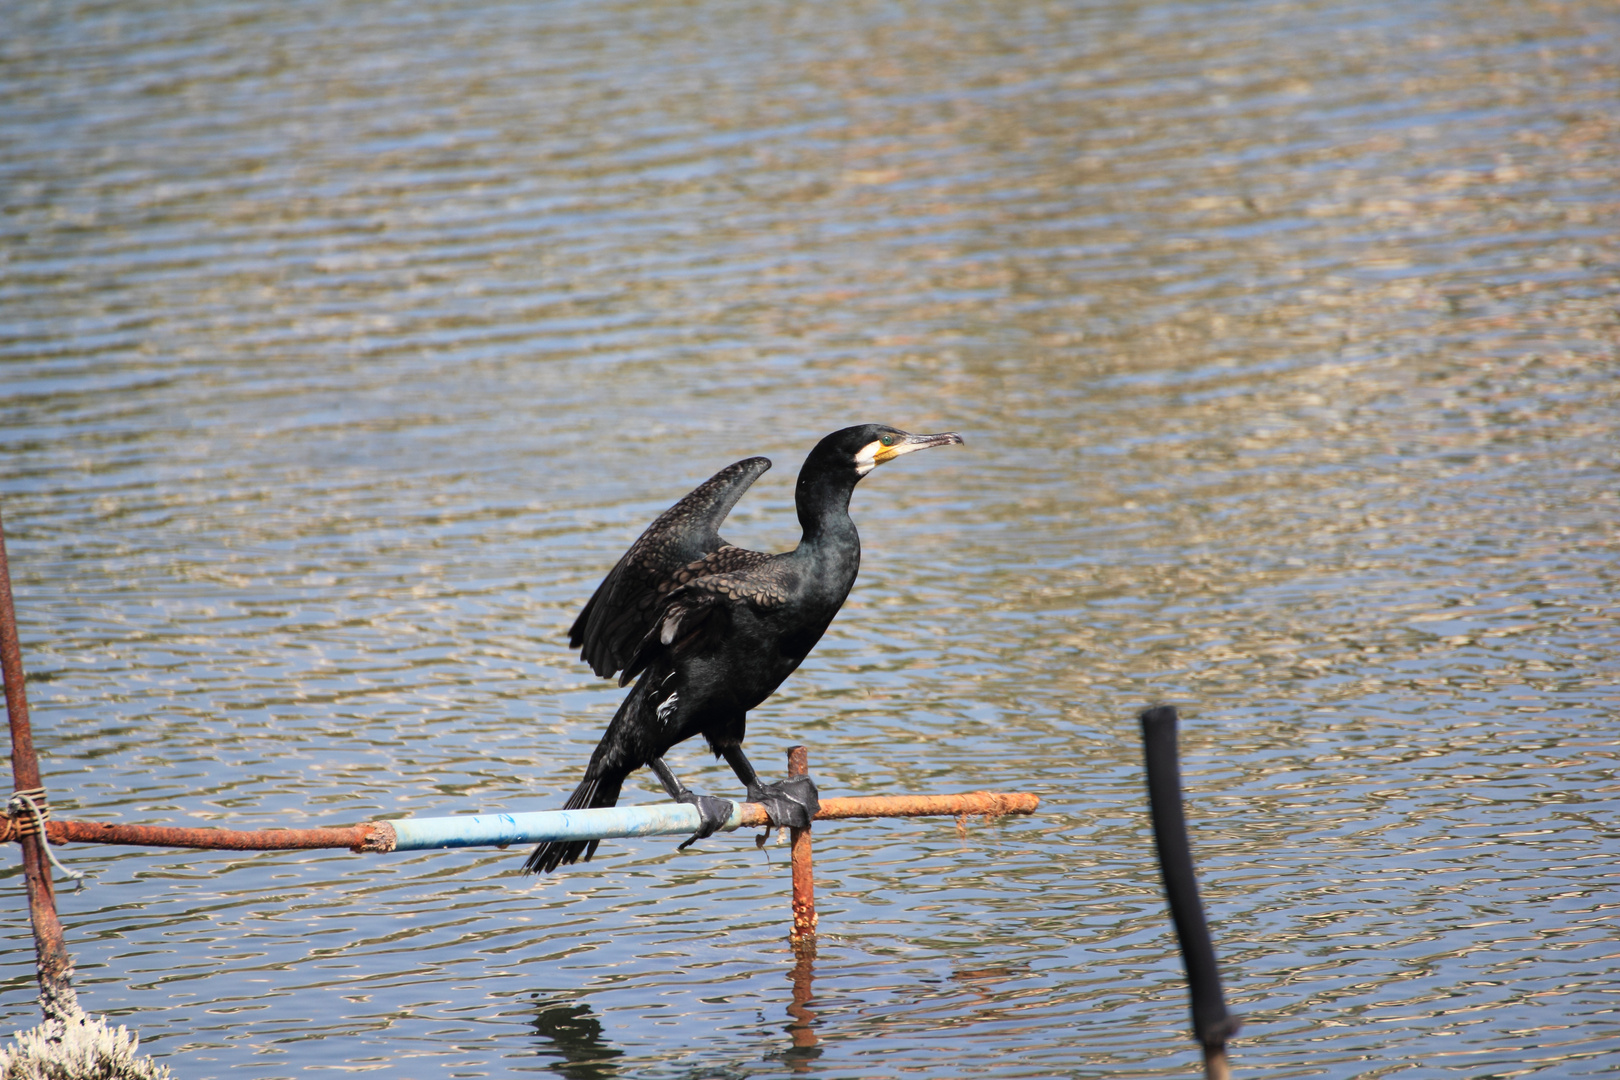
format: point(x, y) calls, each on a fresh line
point(356, 838)
point(987, 803)
point(379, 835)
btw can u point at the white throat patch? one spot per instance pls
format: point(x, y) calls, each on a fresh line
point(866, 460)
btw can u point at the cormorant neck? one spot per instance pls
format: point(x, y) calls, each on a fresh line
point(823, 502)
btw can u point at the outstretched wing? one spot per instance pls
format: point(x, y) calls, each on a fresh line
point(683, 544)
point(701, 609)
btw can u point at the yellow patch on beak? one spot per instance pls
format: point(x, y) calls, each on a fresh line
point(881, 453)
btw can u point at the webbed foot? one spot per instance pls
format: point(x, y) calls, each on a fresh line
point(713, 811)
point(792, 803)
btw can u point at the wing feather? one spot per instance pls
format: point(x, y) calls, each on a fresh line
point(682, 545)
point(701, 608)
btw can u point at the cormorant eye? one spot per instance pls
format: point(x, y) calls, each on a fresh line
point(887, 440)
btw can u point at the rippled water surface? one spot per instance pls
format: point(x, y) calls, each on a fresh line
point(345, 346)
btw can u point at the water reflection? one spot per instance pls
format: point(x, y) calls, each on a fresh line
point(572, 1040)
point(801, 1029)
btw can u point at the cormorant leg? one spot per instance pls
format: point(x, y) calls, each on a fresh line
point(788, 802)
point(714, 811)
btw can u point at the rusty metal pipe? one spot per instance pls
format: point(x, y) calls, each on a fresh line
point(804, 877)
point(375, 836)
point(356, 838)
point(990, 804)
point(56, 997)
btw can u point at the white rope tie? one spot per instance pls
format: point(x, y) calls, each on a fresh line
point(21, 800)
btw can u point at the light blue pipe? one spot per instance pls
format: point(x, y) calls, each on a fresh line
point(493, 830)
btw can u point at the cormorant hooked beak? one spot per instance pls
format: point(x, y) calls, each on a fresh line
point(890, 447)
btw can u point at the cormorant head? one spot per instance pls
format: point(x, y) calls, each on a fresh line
point(867, 446)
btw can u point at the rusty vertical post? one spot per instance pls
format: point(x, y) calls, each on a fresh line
point(56, 997)
point(804, 879)
point(803, 936)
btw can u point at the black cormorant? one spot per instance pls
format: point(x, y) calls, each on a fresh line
point(708, 630)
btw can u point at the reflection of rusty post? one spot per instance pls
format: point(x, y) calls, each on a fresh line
point(800, 1030)
point(804, 879)
point(56, 997)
